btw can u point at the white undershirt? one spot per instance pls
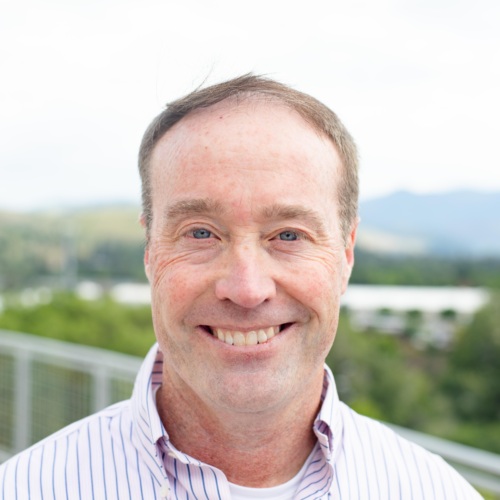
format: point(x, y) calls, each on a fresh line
point(285, 491)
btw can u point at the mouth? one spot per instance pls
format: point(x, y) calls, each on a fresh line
point(245, 338)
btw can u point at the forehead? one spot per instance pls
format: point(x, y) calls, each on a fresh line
point(252, 121)
point(235, 141)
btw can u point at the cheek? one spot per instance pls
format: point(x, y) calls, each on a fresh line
point(175, 286)
point(318, 286)
point(320, 281)
point(170, 294)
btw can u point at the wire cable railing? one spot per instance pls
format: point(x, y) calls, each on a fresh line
point(46, 384)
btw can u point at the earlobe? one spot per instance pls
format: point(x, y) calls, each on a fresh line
point(146, 262)
point(142, 220)
point(349, 255)
point(351, 242)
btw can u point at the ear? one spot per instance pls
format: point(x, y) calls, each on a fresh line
point(142, 220)
point(349, 255)
point(146, 262)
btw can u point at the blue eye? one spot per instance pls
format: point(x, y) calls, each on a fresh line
point(201, 234)
point(288, 236)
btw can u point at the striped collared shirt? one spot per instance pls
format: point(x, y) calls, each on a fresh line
point(124, 452)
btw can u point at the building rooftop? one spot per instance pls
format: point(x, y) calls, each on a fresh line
point(464, 300)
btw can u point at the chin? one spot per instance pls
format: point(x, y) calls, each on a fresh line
point(253, 392)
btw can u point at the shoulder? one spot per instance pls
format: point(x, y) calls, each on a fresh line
point(392, 463)
point(63, 460)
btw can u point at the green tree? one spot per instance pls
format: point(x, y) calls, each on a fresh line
point(472, 380)
point(102, 323)
point(384, 377)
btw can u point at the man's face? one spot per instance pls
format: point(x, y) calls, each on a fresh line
point(246, 258)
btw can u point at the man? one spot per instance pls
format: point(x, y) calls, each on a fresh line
point(250, 212)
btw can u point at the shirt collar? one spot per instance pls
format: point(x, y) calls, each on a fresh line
point(144, 410)
point(328, 426)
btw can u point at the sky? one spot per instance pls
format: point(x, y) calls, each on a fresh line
point(417, 83)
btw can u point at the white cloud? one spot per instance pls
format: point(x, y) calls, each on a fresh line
point(416, 82)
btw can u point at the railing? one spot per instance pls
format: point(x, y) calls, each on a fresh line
point(481, 468)
point(46, 384)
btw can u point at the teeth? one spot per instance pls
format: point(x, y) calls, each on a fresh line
point(261, 336)
point(239, 338)
point(253, 337)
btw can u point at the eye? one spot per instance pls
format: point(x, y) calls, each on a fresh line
point(201, 234)
point(288, 236)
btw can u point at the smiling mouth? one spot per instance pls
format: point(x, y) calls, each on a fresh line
point(239, 338)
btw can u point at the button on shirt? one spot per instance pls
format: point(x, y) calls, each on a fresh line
point(124, 452)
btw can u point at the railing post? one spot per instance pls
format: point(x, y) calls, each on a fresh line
point(102, 389)
point(22, 400)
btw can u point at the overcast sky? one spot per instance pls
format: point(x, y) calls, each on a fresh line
point(417, 82)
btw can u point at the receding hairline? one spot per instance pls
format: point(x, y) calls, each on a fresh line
point(294, 101)
point(249, 102)
point(243, 101)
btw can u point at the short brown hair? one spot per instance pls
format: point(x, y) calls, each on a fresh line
point(319, 116)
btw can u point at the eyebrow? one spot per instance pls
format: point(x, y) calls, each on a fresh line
point(186, 208)
point(193, 206)
point(277, 211)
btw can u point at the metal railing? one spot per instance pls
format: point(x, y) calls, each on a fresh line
point(46, 384)
point(481, 468)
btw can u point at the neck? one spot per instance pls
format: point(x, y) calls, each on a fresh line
point(258, 449)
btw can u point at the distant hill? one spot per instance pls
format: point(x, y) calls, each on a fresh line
point(454, 224)
point(56, 246)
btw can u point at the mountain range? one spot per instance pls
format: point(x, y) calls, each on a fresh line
point(453, 224)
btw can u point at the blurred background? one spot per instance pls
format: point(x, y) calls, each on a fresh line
point(416, 83)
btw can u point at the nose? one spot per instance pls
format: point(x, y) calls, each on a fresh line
point(246, 277)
